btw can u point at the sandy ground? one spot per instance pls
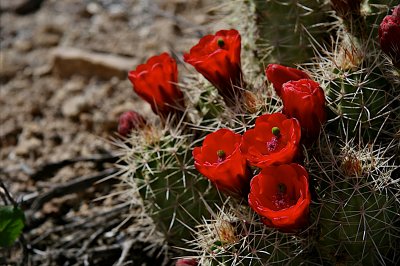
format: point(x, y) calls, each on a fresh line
point(56, 107)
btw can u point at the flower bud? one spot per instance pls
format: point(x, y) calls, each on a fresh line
point(305, 100)
point(128, 121)
point(186, 262)
point(156, 82)
point(389, 36)
point(278, 75)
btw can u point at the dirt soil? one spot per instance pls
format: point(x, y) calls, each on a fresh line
point(63, 85)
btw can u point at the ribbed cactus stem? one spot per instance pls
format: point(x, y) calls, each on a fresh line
point(287, 29)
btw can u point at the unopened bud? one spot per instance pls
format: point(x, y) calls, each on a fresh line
point(128, 121)
point(389, 36)
point(186, 262)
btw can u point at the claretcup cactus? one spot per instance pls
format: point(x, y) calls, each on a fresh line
point(357, 207)
point(228, 173)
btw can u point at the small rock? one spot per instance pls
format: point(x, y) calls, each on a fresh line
point(27, 146)
point(9, 133)
point(10, 64)
point(42, 70)
point(71, 61)
point(74, 106)
point(23, 45)
point(47, 39)
point(118, 12)
point(93, 8)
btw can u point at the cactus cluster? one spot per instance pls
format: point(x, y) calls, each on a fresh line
point(354, 216)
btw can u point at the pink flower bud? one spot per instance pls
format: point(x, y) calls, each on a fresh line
point(186, 262)
point(128, 121)
point(389, 36)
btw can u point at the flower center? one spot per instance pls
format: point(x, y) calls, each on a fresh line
point(220, 43)
point(282, 188)
point(221, 155)
point(281, 200)
point(272, 144)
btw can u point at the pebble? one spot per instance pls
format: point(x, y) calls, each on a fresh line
point(74, 106)
point(68, 61)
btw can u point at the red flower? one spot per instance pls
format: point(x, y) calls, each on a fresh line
point(217, 58)
point(389, 36)
point(280, 195)
point(128, 121)
point(220, 160)
point(156, 81)
point(305, 100)
point(273, 140)
point(278, 74)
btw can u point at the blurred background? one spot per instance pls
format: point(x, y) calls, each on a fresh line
point(63, 74)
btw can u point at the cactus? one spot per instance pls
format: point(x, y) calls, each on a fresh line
point(358, 93)
point(235, 237)
point(354, 215)
point(358, 213)
point(287, 30)
point(361, 94)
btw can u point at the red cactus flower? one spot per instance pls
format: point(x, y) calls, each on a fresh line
point(389, 36)
point(155, 81)
point(274, 140)
point(220, 160)
point(217, 58)
point(278, 75)
point(305, 100)
point(280, 195)
point(186, 262)
point(128, 121)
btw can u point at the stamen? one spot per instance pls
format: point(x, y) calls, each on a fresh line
point(220, 43)
point(221, 155)
point(272, 145)
point(276, 131)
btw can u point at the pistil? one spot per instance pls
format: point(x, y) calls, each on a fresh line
point(221, 155)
